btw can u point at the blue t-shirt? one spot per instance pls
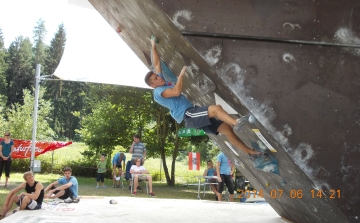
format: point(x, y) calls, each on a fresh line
point(6, 148)
point(73, 187)
point(116, 160)
point(177, 105)
point(211, 172)
point(225, 164)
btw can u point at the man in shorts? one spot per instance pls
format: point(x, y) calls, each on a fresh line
point(116, 162)
point(224, 170)
point(31, 200)
point(168, 95)
point(137, 172)
point(68, 191)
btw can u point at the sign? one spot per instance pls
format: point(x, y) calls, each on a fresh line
point(23, 147)
point(190, 132)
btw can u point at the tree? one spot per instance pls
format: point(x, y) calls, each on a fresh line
point(3, 68)
point(39, 39)
point(54, 54)
point(20, 72)
point(20, 118)
point(119, 112)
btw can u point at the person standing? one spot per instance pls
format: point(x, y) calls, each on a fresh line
point(6, 149)
point(101, 171)
point(138, 150)
point(116, 162)
point(224, 170)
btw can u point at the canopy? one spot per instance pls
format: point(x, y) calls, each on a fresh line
point(94, 52)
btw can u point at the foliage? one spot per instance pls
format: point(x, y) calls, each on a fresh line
point(39, 37)
point(3, 66)
point(20, 72)
point(20, 118)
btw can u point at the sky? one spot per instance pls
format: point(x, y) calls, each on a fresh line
point(89, 38)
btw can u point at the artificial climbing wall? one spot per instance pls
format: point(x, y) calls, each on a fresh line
point(293, 64)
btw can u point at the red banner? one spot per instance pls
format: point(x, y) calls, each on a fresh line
point(23, 147)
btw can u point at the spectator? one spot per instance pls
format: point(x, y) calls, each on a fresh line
point(138, 150)
point(31, 200)
point(211, 171)
point(224, 170)
point(101, 171)
point(69, 189)
point(6, 149)
point(137, 172)
point(118, 158)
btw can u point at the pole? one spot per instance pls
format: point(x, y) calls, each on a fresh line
point(37, 79)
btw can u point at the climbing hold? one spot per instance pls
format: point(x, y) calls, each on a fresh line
point(156, 39)
point(252, 119)
point(118, 29)
point(283, 182)
point(267, 184)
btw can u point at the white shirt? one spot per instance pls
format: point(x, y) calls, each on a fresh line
point(136, 168)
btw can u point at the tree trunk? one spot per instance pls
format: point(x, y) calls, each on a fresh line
point(176, 149)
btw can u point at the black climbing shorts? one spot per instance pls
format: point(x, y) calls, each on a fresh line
point(198, 118)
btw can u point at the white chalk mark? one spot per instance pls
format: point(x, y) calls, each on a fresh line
point(212, 55)
point(293, 26)
point(345, 35)
point(186, 14)
point(287, 57)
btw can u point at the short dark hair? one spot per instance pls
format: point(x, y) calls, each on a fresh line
point(209, 161)
point(136, 136)
point(67, 169)
point(147, 78)
point(103, 154)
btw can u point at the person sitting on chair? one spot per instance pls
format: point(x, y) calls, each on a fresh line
point(211, 171)
point(137, 172)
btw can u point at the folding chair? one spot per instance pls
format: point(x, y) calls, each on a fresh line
point(132, 184)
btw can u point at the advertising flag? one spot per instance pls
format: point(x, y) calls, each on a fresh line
point(23, 147)
point(194, 161)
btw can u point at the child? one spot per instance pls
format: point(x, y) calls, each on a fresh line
point(101, 171)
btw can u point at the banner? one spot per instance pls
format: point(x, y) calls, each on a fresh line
point(23, 147)
point(194, 161)
point(190, 132)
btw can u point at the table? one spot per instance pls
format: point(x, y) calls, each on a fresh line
point(205, 183)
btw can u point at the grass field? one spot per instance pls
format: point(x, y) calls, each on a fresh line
point(87, 184)
point(154, 165)
point(87, 188)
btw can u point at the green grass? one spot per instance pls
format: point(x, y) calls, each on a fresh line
point(62, 155)
point(87, 184)
point(87, 188)
point(154, 165)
